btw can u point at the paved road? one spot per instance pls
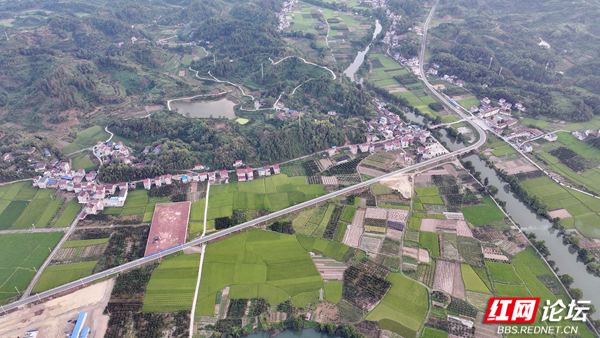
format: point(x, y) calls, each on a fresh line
point(197, 241)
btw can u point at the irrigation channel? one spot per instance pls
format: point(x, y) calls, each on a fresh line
point(564, 256)
point(360, 57)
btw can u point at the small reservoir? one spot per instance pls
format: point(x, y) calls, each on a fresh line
point(206, 109)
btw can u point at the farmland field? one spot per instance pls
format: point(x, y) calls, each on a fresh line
point(505, 290)
point(502, 272)
point(272, 193)
point(429, 240)
point(171, 287)
point(68, 216)
point(57, 275)
point(348, 214)
point(472, 280)
point(406, 303)
point(21, 253)
point(273, 266)
point(333, 291)
point(12, 212)
point(79, 162)
point(483, 214)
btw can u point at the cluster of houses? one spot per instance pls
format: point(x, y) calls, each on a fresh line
point(498, 117)
point(94, 196)
point(521, 137)
point(453, 79)
point(283, 16)
point(110, 151)
point(38, 164)
point(374, 3)
point(413, 61)
point(399, 136)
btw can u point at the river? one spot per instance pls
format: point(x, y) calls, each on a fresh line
point(220, 108)
point(565, 257)
point(306, 333)
point(360, 57)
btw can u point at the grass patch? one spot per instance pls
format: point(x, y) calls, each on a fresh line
point(504, 290)
point(86, 138)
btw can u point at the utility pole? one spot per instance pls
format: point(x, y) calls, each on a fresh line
point(6, 36)
point(547, 63)
point(262, 73)
point(490, 65)
point(214, 60)
point(17, 290)
point(500, 72)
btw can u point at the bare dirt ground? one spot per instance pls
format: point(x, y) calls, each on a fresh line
point(394, 234)
point(560, 213)
point(485, 330)
point(355, 230)
point(423, 256)
point(444, 275)
point(400, 183)
point(192, 250)
point(515, 167)
point(398, 90)
point(326, 313)
point(432, 225)
point(459, 285)
point(51, 318)
point(370, 172)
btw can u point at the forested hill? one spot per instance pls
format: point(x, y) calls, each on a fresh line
point(562, 81)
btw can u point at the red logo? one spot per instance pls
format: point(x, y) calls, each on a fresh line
point(511, 310)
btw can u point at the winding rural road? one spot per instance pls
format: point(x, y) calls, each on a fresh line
point(81, 282)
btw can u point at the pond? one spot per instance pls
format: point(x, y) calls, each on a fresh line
point(205, 109)
point(306, 333)
point(360, 57)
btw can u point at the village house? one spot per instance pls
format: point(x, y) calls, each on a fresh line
point(276, 170)
point(550, 137)
point(353, 149)
point(224, 174)
point(238, 163)
point(241, 175)
point(407, 158)
point(485, 100)
point(40, 166)
point(90, 176)
point(388, 146)
point(331, 151)
point(8, 157)
point(579, 135)
point(198, 167)
point(261, 172)
point(147, 184)
point(489, 112)
point(202, 177)
point(364, 147)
